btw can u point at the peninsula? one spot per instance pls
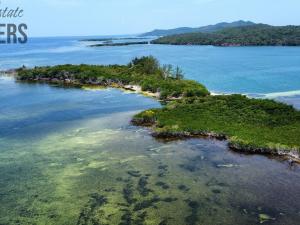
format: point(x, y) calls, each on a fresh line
point(249, 125)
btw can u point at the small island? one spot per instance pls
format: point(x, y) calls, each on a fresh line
point(112, 39)
point(142, 74)
point(252, 35)
point(250, 125)
point(120, 44)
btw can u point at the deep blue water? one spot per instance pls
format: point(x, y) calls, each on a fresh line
point(251, 70)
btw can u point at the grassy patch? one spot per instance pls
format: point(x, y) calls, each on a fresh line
point(247, 122)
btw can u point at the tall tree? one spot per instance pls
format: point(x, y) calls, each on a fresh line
point(178, 73)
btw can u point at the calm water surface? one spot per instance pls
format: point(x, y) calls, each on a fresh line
point(70, 156)
point(257, 71)
point(237, 69)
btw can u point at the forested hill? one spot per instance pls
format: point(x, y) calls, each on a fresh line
point(255, 35)
point(205, 29)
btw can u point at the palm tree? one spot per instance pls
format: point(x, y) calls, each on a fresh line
point(167, 71)
point(178, 73)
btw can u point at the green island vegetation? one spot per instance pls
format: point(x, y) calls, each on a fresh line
point(253, 35)
point(250, 125)
point(204, 29)
point(144, 72)
point(120, 44)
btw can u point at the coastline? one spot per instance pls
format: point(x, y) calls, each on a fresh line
point(167, 134)
point(292, 155)
point(67, 83)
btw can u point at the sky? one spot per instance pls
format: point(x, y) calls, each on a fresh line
point(118, 17)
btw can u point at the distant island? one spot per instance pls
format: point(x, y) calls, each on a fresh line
point(123, 41)
point(239, 33)
point(112, 39)
point(249, 125)
point(254, 35)
point(204, 29)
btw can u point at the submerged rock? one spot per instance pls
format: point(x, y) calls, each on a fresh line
point(265, 218)
point(146, 203)
point(134, 173)
point(89, 211)
point(162, 185)
point(142, 186)
point(164, 222)
point(128, 194)
point(182, 187)
point(192, 219)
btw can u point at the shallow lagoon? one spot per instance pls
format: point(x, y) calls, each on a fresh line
point(70, 156)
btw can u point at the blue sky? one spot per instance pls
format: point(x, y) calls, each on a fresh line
point(105, 17)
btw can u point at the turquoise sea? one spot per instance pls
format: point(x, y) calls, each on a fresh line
point(71, 156)
point(232, 69)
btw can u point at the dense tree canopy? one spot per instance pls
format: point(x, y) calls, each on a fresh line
point(145, 72)
point(255, 35)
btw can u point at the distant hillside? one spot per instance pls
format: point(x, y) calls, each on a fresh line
point(256, 35)
point(205, 29)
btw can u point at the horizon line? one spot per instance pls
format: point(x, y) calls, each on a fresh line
point(139, 33)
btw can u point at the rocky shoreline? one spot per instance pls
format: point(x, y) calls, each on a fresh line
point(67, 80)
point(293, 155)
